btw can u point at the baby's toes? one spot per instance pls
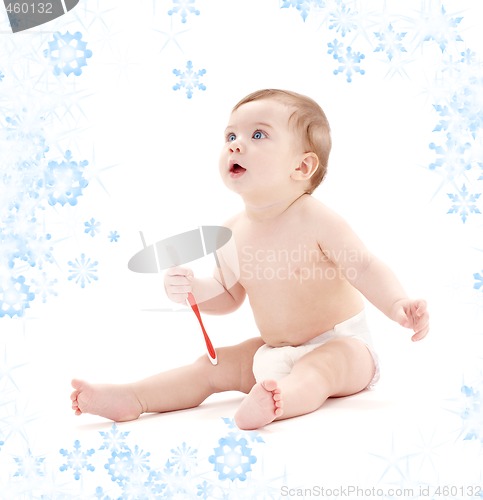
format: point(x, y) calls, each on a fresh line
point(271, 386)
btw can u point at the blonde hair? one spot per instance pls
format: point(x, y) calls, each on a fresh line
point(309, 119)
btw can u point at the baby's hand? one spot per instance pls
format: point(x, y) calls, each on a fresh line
point(177, 283)
point(413, 314)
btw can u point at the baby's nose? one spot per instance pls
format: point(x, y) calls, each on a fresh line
point(235, 146)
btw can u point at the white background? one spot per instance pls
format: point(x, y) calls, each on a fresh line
point(153, 167)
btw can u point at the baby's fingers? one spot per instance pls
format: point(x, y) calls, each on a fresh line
point(420, 317)
point(179, 271)
point(177, 283)
point(420, 308)
point(420, 334)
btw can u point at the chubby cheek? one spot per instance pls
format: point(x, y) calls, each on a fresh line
point(222, 162)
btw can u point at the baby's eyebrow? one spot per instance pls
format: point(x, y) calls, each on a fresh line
point(264, 125)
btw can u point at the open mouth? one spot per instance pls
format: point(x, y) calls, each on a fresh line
point(237, 169)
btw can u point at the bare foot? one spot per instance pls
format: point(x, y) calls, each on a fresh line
point(262, 406)
point(116, 402)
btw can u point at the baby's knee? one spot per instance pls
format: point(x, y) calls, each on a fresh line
point(202, 364)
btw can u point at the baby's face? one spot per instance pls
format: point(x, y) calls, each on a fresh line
point(261, 148)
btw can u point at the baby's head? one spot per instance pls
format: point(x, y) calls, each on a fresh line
point(308, 120)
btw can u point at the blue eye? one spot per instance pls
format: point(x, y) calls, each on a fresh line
point(230, 137)
point(258, 134)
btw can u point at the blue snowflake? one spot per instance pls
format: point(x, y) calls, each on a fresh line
point(92, 227)
point(442, 28)
point(469, 100)
point(184, 459)
point(189, 79)
point(77, 460)
point(17, 421)
point(336, 49)
point(464, 203)
point(114, 440)
point(13, 246)
point(15, 297)
point(478, 281)
point(343, 20)
point(157, 486)
point(468, 57)
point(40, 248)
point(232, 459)
point(205, 490)
point(83, 271)
point(390, 42)
point(444, 111)
point(114, 236)
point(173, 483)
point(100, 494)
point(125, 465)
point(303, 6)
point(183, 8)
point(472, 414)
point(27, 247)
point(29, 466)
point(463, 112)
point(2, 76)
point(43, 287)
point(64, 181)
point(23, 147)
point(68, 53)
point(350, 64)
point(452, 158)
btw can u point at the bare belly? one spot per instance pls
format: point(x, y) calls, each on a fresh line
point(293, 322)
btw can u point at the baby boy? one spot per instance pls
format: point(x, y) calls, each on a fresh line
point(303, 269)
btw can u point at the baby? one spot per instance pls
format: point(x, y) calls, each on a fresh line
point(303, 270)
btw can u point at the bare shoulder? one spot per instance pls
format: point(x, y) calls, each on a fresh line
point(232, 221)
point(318, 213)
point(330, 229)
point(333, 233)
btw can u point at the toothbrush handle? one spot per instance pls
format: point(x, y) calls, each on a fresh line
point(209, 345)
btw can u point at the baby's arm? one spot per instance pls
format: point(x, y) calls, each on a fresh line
point(219, 294)
point(373, 278)
point(210, 293)
point(377, 282)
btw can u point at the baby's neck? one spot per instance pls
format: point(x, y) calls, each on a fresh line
point(261, 212)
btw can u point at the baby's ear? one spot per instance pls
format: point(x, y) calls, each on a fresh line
point(307, 167)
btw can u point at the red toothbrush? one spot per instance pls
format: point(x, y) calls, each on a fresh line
point(209, 345)
point(173, 260)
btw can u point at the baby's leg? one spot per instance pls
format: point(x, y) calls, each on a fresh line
point(177, 389)
point(338, 368)
point(118, 402)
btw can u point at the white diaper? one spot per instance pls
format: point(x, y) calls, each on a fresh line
point(277, 362)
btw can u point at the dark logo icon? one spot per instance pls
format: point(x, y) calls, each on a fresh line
point(28, 14)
